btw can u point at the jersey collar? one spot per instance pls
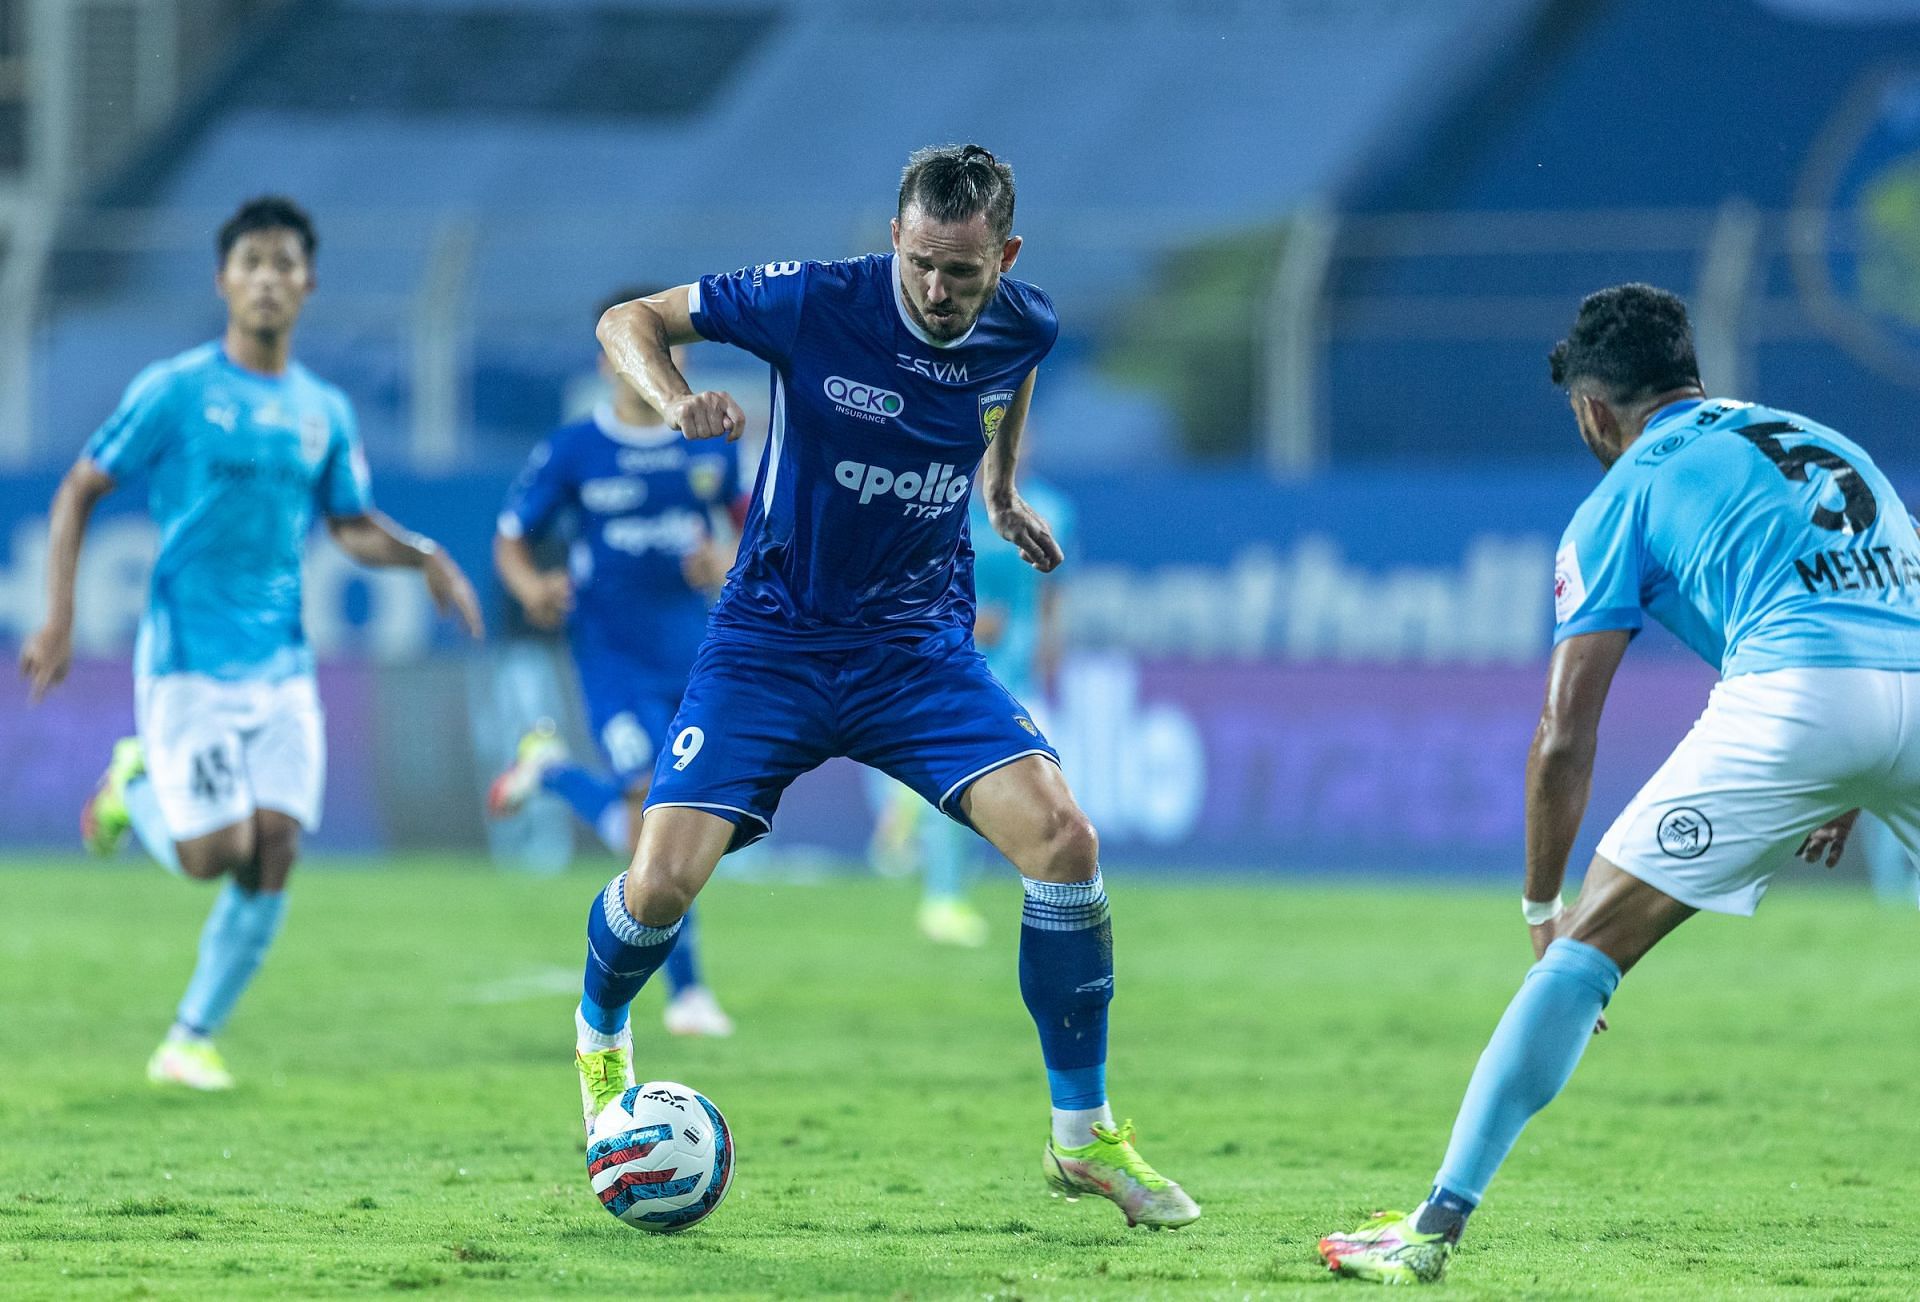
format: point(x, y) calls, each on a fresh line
point(906, 318)
point(1672, 411)
point(638, 436)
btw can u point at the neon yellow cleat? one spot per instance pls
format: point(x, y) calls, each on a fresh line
point(539, 750)
point(195, 1064)
point(104, 821)
point(1110, 1168)
point(605, 1074)
point(953, 922)
point(1388, 1250)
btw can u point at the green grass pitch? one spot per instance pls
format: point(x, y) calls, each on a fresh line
point(406, 1117)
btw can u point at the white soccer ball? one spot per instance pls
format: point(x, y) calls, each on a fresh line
point(660, 1157)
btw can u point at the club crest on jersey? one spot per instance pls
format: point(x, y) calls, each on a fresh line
point(704, 475)
point(1026, 724)
point(993, 410)
point(313, 436)
point(867, 401)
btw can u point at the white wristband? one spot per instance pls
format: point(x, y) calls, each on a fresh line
point(1539, 911)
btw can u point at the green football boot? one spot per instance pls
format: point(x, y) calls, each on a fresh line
point(104, 821)
point(605, 1074)
point(195, 1064)
point(1388, 1250)
point(1111, 1168)
point(540, 749)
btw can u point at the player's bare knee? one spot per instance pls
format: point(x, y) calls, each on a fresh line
point(229, 850)
point(661, 889)
point(1070, 848)
point(277, 847)
point(200, 866)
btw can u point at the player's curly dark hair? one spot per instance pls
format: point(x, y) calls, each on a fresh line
point(268, 212)
point(953, 183)
point(1630, 341)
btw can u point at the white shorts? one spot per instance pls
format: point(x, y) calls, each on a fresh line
point(217, 751)
point(1773, 756)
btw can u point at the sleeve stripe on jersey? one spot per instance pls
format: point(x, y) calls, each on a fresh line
point(1599, 621)
point(776, 438)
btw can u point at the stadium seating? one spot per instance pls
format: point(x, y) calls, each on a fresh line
point(634, 142)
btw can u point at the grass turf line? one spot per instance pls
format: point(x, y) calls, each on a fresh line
point(407, 1113)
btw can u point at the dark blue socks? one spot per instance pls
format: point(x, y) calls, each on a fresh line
point(622, 952)
point(1066, 978)
point(587, 794)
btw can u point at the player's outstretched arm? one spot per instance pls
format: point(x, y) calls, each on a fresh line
point(639, 337)
point(48, 654)
point(546, 595)
point(1012, 518)
point(1560, 762)
point(374, 539)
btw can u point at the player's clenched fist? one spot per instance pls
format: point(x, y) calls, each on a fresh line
point(709, 415)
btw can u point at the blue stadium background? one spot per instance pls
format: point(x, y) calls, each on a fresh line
point(1309, 255)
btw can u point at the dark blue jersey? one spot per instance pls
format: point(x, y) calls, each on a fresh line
point(638, 499)
point(857, 529)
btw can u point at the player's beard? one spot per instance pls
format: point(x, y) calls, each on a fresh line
point(962, 320)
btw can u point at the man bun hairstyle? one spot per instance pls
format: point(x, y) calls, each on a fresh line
point(955, 183)
point(1630, 342)
point(268, 212)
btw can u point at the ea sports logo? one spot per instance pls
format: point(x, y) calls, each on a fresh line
point(866, 400)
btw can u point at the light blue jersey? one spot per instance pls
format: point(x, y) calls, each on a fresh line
point(236, 464)
point(1762, 539)
point(1004, 582)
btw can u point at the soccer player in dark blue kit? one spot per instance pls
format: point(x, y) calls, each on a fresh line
point(649, 519)
point(845, 626)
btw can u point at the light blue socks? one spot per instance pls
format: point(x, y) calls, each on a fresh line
point(236, 937)
point(1529, 1060)
point(143, 808)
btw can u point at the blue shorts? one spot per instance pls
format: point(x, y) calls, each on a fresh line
point(927, 712)
point(629, 707)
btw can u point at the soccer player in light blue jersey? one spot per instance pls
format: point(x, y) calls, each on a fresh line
point(239, 446)
point(649, 519)
point(845, 625)
point(1775, 549)
point(1016, 616)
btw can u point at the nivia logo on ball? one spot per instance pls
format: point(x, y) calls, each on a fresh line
point(867, 401)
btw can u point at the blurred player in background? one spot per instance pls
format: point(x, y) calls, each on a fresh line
point(845, 626)
point(240, 445)
point(652, 519)
point(1777, 550)
point(1016, 625)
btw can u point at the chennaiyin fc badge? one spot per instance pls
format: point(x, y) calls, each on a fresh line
point(993, 410)
point(704, 475)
